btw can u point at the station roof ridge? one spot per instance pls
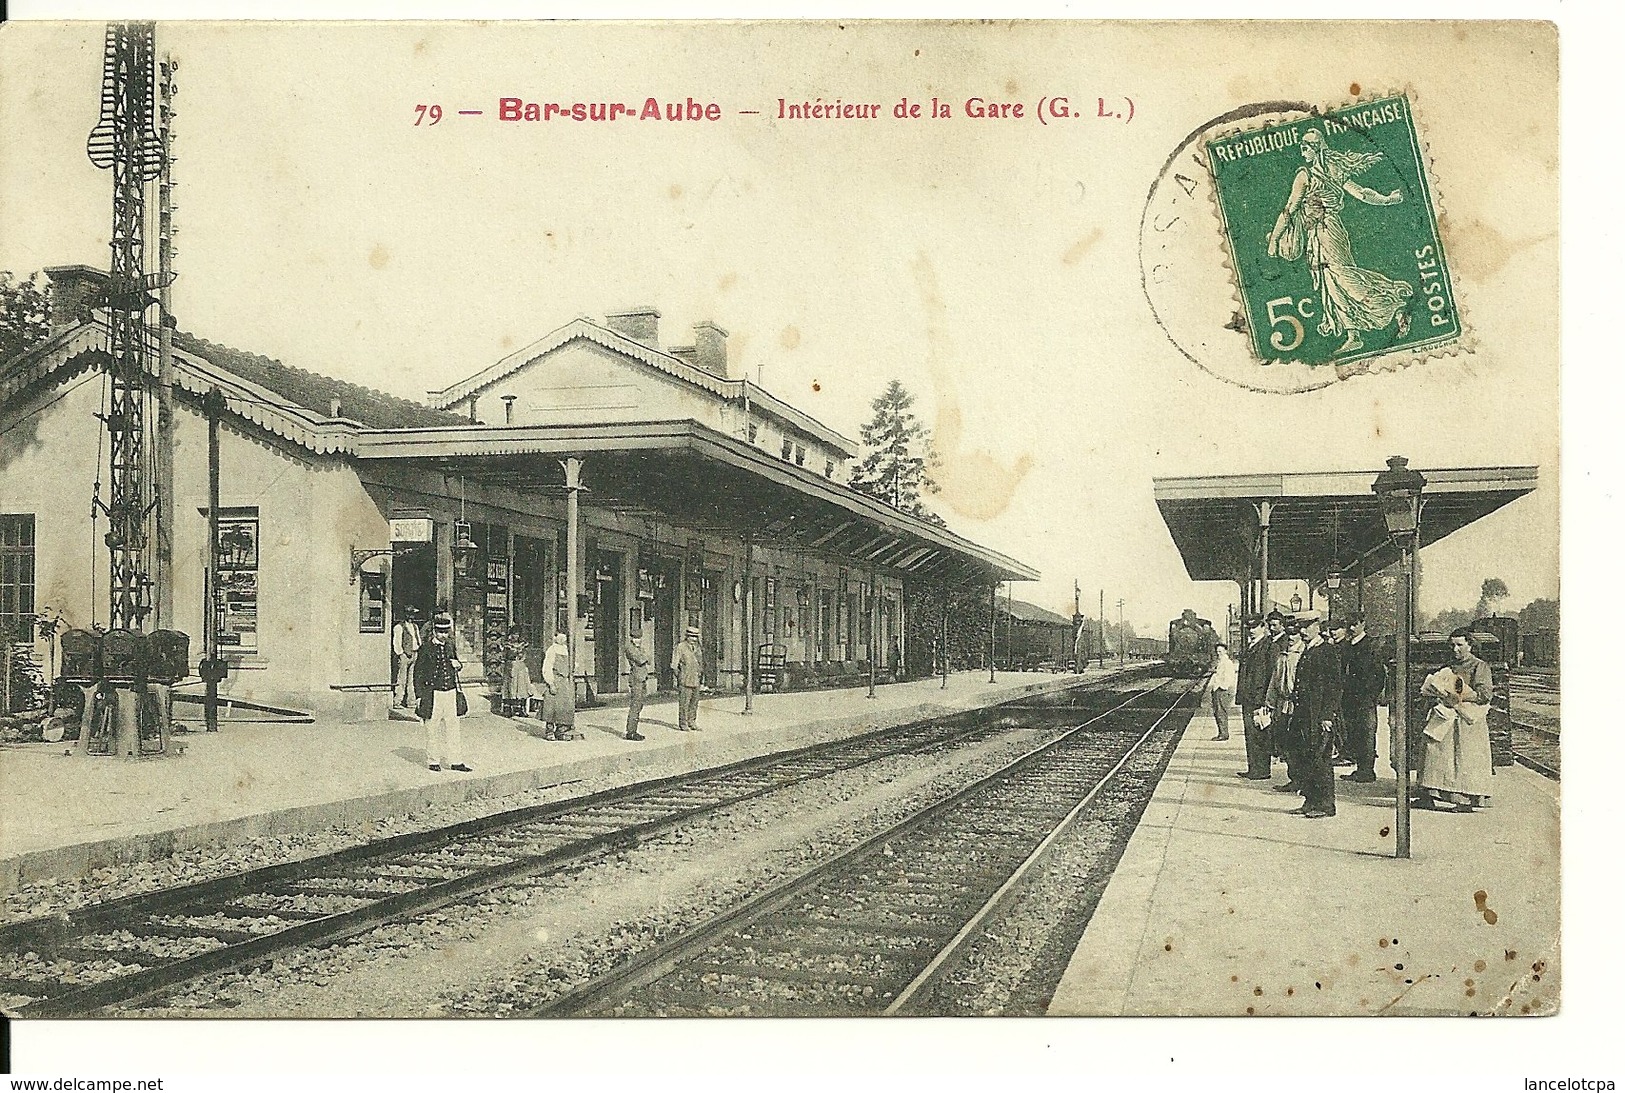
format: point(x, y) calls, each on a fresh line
point(658, 359)
point(315, 391)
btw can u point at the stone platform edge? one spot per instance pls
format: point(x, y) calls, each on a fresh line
point(79, 859)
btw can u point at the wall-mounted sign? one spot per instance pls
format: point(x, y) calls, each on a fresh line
point(411, 530)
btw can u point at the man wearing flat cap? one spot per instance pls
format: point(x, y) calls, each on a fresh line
point(685, 662)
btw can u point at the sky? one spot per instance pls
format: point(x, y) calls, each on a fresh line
point(991, 266)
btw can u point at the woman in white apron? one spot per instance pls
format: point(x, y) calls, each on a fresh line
point(559, 703)
point(1456, 766)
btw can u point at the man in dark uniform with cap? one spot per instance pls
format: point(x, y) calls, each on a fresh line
point(1252, 687)
point(685, 662)
point(1318, 697)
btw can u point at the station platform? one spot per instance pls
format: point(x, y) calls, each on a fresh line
point(1224, 904)
point(66, 815)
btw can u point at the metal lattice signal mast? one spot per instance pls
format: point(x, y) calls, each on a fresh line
point(124, 141)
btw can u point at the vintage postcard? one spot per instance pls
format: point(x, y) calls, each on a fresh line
point(779, 519)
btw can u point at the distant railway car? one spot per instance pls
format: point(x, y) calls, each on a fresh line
point(1033, 639)
point(1190, 644)
point(1147, 648)
point(1505, 628)
point(1539, 649)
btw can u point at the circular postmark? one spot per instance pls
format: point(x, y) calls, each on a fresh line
point(1283, 248)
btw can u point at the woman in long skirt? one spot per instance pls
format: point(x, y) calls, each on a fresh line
point(517, 690)
point(559, 699)
point(1456, 766)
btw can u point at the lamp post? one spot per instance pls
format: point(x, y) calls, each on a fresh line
point(1122, 642)
point(1399, 490)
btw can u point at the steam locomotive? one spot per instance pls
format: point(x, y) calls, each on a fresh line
point(1190, 645)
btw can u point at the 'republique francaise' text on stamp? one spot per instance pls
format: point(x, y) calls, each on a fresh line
point(1333, 236)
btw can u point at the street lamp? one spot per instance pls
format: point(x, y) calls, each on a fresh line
point(1122, 642)
point(1399, 491)
point(1296, 604)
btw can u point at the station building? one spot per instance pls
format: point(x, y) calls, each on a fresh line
point(684, 496)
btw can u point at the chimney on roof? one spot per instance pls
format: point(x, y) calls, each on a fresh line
point(711, 348)
point(507, 408)
point(334, 409)
point(74, 291)
point(641, 324)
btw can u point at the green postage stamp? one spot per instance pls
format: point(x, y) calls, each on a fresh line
point(1333, 236)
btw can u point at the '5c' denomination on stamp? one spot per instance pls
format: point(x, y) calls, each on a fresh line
point(1333, 236)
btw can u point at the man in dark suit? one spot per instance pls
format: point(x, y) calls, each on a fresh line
point(1364, 673)
point(1317, 701)
point(1252, 683)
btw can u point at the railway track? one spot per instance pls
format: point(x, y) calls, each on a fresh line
point(1537, 748)
point(144, 945)
point(876, 929)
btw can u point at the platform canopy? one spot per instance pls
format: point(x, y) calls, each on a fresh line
point(1319, 523)
point(694, 477)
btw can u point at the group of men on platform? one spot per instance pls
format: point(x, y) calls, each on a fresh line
point(1308, 693)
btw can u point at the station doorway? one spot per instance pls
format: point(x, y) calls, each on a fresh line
point(607, 574)
point(412, 582)
point(663, 616)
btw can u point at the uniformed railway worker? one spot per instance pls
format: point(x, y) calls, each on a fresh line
point(1252, 691)
point(438, 692)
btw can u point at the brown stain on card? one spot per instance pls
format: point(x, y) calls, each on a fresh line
point(1074, 254)
point(1481, 901)
point(789, 338)
point(378, 258)
point(974, 484)
point(1477, 250)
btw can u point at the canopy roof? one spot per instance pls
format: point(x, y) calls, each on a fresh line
point(1319, 522)
point(692, 476)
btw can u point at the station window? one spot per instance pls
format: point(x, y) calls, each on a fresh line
point(752, 434)
point(829, 468)
point(801, 456)
point(17, 577)
point(784, 450)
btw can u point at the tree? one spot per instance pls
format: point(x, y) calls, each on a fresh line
point(1491, 595)
point(25, 314)
point(1451, 618)
point(897, 468)
point(1538, 615)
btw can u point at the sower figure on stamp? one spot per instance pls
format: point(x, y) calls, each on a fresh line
point(1252, 694)
point(1318, 696)
point(1363, 676)
point(405, 640)
point(685, 662)
point(637, 682)
point(1352, 299)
